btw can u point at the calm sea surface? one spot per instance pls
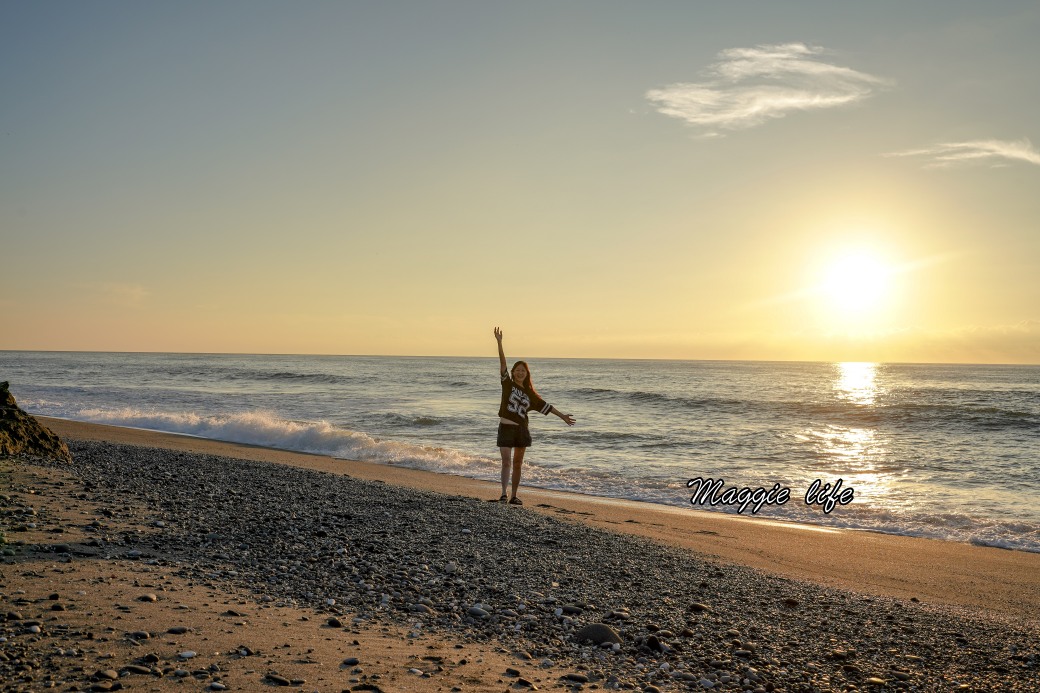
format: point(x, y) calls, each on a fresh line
point(940, 451)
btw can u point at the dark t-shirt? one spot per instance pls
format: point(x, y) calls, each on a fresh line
point(517, 400)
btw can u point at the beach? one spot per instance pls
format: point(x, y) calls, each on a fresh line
point(467, 346)
point(431, 587)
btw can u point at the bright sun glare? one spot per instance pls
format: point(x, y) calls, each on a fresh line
point(856, 282)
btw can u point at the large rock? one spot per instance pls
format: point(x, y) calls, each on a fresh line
point(597, 633)
point(21, 434)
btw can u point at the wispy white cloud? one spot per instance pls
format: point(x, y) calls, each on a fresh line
point(993, 152)
point(748, 86)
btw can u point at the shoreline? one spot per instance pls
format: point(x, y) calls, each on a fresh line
point(143, 566)
point(997, 581)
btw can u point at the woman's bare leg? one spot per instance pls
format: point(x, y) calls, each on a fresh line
point(518, 460)
point(506, 465)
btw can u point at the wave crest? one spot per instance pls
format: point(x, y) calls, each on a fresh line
point(267, 429)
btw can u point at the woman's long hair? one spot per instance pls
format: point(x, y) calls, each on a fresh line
point(528, 385)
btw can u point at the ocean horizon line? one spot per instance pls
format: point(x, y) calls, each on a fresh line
point(527, 356)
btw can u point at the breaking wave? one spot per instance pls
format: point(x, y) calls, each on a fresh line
point(267, 429)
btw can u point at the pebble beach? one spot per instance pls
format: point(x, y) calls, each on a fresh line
point(362, 579)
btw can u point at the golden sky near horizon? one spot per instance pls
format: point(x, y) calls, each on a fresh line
point(601, 181)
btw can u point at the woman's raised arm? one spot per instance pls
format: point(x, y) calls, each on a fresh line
point(501, 354)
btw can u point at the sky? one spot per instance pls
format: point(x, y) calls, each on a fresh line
point(838, 181)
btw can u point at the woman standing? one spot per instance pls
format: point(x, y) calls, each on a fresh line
point(518, 396)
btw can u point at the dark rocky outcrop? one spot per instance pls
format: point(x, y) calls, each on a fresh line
point(22, 434)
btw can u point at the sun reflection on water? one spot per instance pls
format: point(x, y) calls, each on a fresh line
point(847, 446)
point(854, 450)
point(857, 382)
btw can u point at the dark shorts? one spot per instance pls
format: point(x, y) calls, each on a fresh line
point(513, 436)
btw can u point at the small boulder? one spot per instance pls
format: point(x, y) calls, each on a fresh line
point(22, 434)
point(597, 633)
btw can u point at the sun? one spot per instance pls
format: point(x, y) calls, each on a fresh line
point(856, 282)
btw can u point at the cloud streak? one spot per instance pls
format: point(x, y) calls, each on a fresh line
point(994, 152)
point(750, 86)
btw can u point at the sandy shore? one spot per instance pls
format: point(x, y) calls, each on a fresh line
point(166, 562)
point(932, 571)
point(134, 622)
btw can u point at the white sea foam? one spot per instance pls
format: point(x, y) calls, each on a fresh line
point(267, 429)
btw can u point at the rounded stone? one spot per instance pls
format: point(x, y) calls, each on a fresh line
point(597, 633)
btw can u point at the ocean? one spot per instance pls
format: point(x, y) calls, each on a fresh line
point(943, 451)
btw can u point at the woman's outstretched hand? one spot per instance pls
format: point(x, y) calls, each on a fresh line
point(567, 419)
point(501, 353)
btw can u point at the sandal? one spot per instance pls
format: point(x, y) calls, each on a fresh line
point(515, 501)
point(502, 499)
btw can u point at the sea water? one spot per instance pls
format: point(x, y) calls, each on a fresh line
point(945, 451)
